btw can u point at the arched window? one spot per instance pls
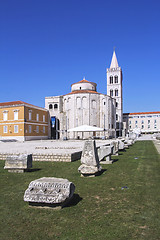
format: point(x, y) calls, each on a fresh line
point(116, 92)
point(111, 93)
point(50, 106)
point(111, 79)
point(55, 106)
point(116, 79)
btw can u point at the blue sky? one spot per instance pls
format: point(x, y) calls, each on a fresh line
point(46, 45)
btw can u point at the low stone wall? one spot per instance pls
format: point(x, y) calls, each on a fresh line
point(50, 157)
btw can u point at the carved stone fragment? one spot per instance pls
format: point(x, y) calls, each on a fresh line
point(49, 192)
point(18, 163)
point(104, 153)
point(89, 159)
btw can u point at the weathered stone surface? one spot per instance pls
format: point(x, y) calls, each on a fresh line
point(158, 136)
point(89, 159)
point(121, 144)
point(18, 163)
point(115, 145)
point(104, 153)
point(49, 190)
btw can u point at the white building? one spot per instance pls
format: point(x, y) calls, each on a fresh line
point(82, 106)
point(146, 122)
point(85, 106)
point(114, 89)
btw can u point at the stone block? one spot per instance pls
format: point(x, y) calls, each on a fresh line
point(104, 153)
point(89, 159)
point(115, 145)
point(49, 192)
point(121, 144)
point(18, 163)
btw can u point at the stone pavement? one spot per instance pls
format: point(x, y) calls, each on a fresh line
point(157, 145)
point(46, 146)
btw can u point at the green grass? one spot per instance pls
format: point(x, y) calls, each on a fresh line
point(104, 210)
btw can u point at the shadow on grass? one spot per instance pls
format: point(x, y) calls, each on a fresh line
point(101, 172)
point(115, 160)
point(33, 170)
point(74, 201)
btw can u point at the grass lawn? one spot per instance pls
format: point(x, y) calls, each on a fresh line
point(102, 210)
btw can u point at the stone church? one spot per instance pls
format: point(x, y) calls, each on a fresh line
point(85, 106)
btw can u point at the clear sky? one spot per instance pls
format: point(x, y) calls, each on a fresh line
point(46, 45)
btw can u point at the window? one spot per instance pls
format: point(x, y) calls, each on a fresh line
point(116, 104)
point(116, 92)
point(142, 122)
point(111, 79)
point(78, 102)
point(15, 115)
point(148, 121)
point(37, 117)
point(142, 126)
point(5, 115)
point(5, 129)
point(44, 118)
point(116, 117)
point(30, 128)
point(155, 121)
point(30, 115)
point(116, 79)
point(55, 106)
point(50, 106)
point(136, 122)
point(129, 122)
point(93, 104)
point(37, 129)
point(111, 93)
point(44, 129)
point(15, 128)
point(104, 103)
point(148, 126)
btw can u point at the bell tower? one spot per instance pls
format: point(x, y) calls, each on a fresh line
point(114, 90)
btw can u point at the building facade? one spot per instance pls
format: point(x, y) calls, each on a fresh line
point(114, 90)
point(82, 106)
point(23, 121)
point(146, 122)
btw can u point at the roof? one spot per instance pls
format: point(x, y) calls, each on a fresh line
point(114, 62)
point(15, 103)
point(141, 113)
point(82, 91)
point(84, 81)
point(86, 128)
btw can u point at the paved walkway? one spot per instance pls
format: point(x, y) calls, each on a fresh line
point(157, 145)
point(46, 146)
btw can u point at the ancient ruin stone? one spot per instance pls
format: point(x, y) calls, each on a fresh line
point(18, 163)
point(89, 159)
point(49, 191)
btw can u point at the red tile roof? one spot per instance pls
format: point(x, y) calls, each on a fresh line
point(83, 91)
point(3, 104)
point(84, 81)
point(140, 113)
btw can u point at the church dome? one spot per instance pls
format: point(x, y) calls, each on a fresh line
point(83, 85)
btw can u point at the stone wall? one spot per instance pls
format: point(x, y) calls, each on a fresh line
point(50, 157)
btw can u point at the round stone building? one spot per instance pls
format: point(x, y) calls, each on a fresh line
point(82, 106)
